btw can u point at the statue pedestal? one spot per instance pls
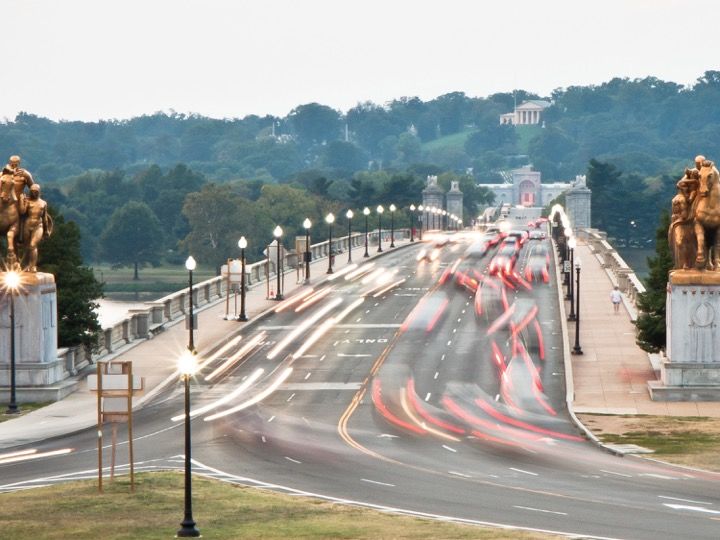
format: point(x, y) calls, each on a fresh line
point(37, 368)
point(691, 371)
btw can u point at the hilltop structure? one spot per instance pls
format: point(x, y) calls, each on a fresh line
point(527, 113)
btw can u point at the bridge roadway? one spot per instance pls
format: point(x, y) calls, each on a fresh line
point(409, 401)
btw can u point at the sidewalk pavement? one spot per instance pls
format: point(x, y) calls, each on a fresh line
point(611, 375)
point(609, 378)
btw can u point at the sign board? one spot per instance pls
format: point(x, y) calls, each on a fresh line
point(566, 266)
point(115, 383)
point(233, 271)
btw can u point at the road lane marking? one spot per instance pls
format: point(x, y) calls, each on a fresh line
point(442, 358)
point(360, 319)
point(293, 460)
point(343, 355)
point(449, 342)
point(616, 473)
point(271, 418)
point(307, 376)
point(428, 396)
point(540, 510)
point(315, 386)
point(363, 326)
point(446, 447)
point(459, 474)
point(436, 375)
point(658, 476)
point(693, 508)
point(322, 357)
point(291, 396)
point(524, 472)
point(376, 482)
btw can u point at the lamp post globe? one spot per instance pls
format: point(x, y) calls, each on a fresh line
point(242, 244)
point(306, 225)
point(421, 218)
point(412, 222)
point(380, 211)
point(190, 264)
point(366, 213)
point(277, 233)
point(349, 215)
point(330, 219)
point(187, 366)
point(12, 283)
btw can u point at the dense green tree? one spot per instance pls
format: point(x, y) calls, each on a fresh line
point(77, 288)
point(132, 236)
point(651, 323)
point(315, 124)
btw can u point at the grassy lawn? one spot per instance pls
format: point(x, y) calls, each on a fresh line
point(449, 141)
point(165, 278)
point(222, 511)
point(24, 409)
point(525, 135)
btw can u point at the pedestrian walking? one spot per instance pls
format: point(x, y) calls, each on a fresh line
point(616, 298)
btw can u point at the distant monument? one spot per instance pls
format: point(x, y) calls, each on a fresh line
point(692, 369)
point(24, 223)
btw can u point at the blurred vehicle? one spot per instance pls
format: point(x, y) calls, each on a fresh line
point(537, 269)
point(428, 254)
point(537, 234)
point(521, 236)
point(504, 260)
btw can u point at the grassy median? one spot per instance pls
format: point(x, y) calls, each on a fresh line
point(223, 511)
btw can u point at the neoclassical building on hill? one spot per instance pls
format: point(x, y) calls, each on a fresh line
point(527, 113)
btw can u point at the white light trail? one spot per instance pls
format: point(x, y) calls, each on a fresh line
point(324, 327)
point(342, 271)
point(222, 350)
point(225, 399)
point(250, 345)
point(259, 397)
point(295, 299)
point(302, 327)
point(364, 269)
point(313, 298)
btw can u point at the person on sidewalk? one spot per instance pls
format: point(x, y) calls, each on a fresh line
point(616, 298)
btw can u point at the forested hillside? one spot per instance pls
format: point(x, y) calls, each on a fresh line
point(265, 170)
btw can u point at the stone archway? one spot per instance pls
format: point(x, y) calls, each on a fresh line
point(527, 193)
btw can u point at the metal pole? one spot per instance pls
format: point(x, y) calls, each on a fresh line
point(330, 250)
point(191, 343)
point(242, 316)
point(349, 239)
point(307, 255)
point(570, 295)
point(392, 229)
point(278, 294)
point(366, 237)
point(379, 250)
point(188, 529)
point(576, 348)
point(412, 226)
point(421, 227)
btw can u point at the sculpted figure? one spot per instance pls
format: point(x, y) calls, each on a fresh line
point(21, 177)
point(706, 213)
point(681, 235)
point(688, 185)
point(9, 216)
point(38, 225)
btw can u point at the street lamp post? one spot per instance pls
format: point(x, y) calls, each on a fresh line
point(187, 367)
point(576, 348)
point(12, 282)
point(571, 244)
point(330, 218)
point(420, 209)
point(412, 222)
point(349, 215)
point(567, 234)
point(307, 224)
point(190, 265)
point(443, 220)
point(392, 225)
point(242, 244)
point(380, 211)
point(278, 233)
point(366, 213)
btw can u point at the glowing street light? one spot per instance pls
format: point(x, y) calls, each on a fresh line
point(366, 213)
point(190, 264)
point(392, 225)
point(412, 222)
point(12, 283)
point(422, 218)
point(349, 215)
point(307, 224)
point(277, 233)
point(242, 244)
point(380, 211)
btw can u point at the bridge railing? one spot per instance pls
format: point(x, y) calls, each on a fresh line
point(144, 323)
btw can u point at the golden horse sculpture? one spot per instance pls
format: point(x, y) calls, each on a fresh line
point(9, 218)
point(706, 213)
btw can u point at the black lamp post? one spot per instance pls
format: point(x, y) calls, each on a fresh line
point(421, 218)
point(277, 233)
point(570, 295)
point(349, 215)
point(307, 224)
point(242, 244)
point(187, 367)
point(12, 282)
point(392, 225)
point(380, 211)
point(412, 222)
point(330, 218)
point(576, 348)
point(566, 253)
point(443, 220)
point(366, 213)
point(190, 265)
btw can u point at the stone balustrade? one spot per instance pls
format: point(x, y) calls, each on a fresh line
point(146, 322)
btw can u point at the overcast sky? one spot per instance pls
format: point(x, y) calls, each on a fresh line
point(92, 59)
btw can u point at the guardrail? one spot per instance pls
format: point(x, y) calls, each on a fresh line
point(146, 322)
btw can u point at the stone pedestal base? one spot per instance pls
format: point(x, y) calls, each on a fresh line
point(36, 358)
point(692, 369)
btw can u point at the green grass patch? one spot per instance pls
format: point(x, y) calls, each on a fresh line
point(456, 140)
point(150, 275)
point(222, 511)
point(525, 134)
point(24, 409)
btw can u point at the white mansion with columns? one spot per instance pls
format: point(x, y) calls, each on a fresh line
point(527, 113)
